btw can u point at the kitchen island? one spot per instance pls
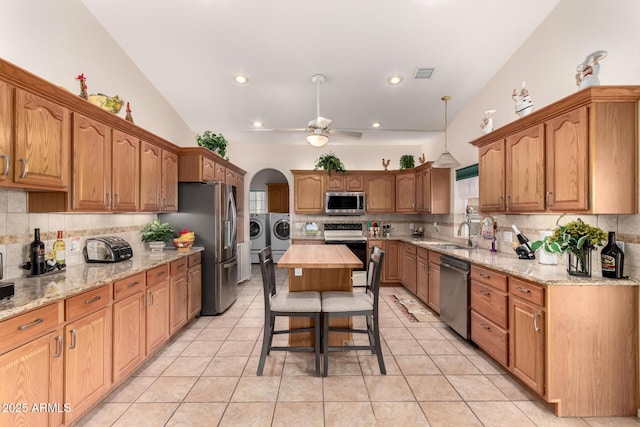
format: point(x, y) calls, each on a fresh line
point(319, 268)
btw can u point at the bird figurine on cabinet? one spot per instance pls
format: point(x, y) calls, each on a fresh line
point(385, 163)
point(83, 86)
point(421, 159)
point(128, 116)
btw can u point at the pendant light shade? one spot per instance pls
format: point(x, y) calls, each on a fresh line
point(446, 160)
point(317, 140)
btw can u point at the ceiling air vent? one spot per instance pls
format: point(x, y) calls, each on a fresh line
point(423, 73)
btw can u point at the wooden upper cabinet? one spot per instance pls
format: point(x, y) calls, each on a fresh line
point(169, 188)
point(220, 172)
point(125, 180)
point(231, 177)
point(438, 191)
point(492, 175)
point(309, 189)
point(525, 171)
point(91, 165)
point(420, 190)
point(350, 182)
point(208, 169)
point(335, 182)
point(42, 142)
point(380, 189)
point(406, 192)
point(6, 133)
point(150, 177)
point(278, 197)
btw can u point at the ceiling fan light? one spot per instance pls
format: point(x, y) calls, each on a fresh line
point(446, 160)
point(317, 140)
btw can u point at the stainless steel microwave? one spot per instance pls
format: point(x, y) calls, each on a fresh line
point(344, 203)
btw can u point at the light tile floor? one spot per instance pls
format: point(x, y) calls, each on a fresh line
point(206, 376)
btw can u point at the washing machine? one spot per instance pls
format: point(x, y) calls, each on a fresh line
point(259, 234)
point(280, 235)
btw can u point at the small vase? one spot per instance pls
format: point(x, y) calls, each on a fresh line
point(157, 246)
point(578, 265)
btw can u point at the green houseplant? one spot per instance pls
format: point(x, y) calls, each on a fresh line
point(578, 239)
point(156, 232)
point(214, 142)
point(407, 161)
point(330, 162)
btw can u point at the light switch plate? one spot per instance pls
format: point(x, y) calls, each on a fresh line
point(507, 236)
point(297, 272)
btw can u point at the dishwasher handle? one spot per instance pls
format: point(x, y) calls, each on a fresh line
point(453, 267)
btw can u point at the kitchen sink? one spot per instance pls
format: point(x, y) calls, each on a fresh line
point(452, 246)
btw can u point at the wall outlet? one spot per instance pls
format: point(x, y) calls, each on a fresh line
point(75, 244)
point(507, 236)
point(620, 245)
point(411, 226)
point(297, 272)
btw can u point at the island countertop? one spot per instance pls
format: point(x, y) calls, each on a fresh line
point(319, 256)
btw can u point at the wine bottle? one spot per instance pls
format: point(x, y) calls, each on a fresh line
point(36, 254)
point(59, 250)
point(612, 259)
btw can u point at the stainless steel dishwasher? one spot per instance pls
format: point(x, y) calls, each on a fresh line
point(454, 294)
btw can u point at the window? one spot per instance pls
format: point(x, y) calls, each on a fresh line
point(257, 201)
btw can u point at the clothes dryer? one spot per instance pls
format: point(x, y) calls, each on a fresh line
point(280, 234)
point(259, 233)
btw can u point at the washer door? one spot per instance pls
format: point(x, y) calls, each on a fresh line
point(281, 229)
point(255, 229)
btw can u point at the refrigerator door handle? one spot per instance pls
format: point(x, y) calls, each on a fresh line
point(227, 234)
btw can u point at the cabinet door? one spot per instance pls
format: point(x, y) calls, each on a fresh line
point(126, 172)
point(381, 193)
point(42, 142)
point(335, 182)
point(526, 344)
point(91, 165)
point(308, 193)
point(409, 272)
point(420, 191)
point(231, 178)
point(439, 189)
point(208, 169)
point(220, 172)
point(567, 162)
point(194, 296)
point(240, 207)
point(353, 182)
point(492, 173)
point(525, 170)
point(157, 320)
point(178, 303)
point(406, 193)
point(128, 335)
point(434, 286)
point(392, 265)
point(87, 355)
point(422, 280)
point(6, 132)
point(32, 374)
point(150, 177)
point(169, 182)
point(278, 197)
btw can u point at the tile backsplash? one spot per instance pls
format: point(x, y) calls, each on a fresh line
point(16, 230)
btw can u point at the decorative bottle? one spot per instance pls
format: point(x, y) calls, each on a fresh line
point(612, 259)
point(59, 250)
point(36, 254)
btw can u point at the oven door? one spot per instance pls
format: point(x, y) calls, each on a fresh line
point(358, 247)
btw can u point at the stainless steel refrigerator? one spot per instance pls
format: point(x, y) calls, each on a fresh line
point(209, 210)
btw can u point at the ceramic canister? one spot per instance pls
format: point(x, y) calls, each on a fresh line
point(545, 257)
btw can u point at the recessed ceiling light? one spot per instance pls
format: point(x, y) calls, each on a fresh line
point(375, 125)
point(257, 124)
point(241, 79)
point(394, 80)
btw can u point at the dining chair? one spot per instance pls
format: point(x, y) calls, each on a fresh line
point(355, 303)
point(286, 304)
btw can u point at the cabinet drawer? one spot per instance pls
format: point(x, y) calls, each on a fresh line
point(490, 277)
point(87, 302)
point(423, 254)
point(490, 337)
point(410, 249)
point(26, 326)
point(157, 275)
point(129, 286)
point(179, 266)
point(195, 259)
point(489, 302)
point(527, 291)
point(434, 257)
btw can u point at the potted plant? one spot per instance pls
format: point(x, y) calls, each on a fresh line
point(578, 239)
point(407, 161)
point(214, 142)
point(330, 162)
point(156, 234)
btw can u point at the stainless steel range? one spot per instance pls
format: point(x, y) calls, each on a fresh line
point(349, 234)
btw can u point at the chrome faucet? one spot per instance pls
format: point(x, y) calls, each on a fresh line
point(469, 236)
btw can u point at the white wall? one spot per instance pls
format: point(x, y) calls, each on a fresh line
point(57, 40)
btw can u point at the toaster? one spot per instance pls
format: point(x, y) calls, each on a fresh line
point(107, 249)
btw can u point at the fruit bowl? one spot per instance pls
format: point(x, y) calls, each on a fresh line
point(183, 244)
point(112, 104)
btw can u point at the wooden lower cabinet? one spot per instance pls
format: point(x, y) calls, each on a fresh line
point(527, 344)
point(194, 295)
point(30, 375)
point(409, 271)
point(422, 275)
point(157, 320)
point(434, 281)
point(128, 335)
point(178, 295)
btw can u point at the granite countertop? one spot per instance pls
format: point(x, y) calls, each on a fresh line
point(34, 292)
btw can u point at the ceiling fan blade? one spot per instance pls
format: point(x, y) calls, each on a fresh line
point(346, 133)
point(278, 130)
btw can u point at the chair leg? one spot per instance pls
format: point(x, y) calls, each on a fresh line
point(316, 347)
point(325, 342)
point(266, 343)
point(376, 333)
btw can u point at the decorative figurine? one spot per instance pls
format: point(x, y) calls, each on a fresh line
point(83, 86)
point(385, 163)
point(587, 71)
point(421, 159)
point(524, 104)
point(128, 116)
point(487, 121)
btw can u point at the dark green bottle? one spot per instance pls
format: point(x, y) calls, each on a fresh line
point(612, 259)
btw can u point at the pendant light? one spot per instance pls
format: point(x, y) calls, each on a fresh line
point(446, 160)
